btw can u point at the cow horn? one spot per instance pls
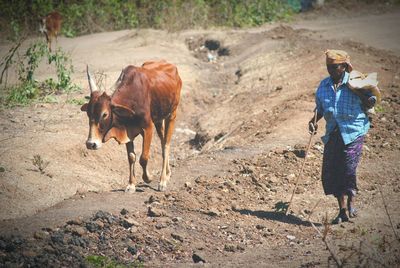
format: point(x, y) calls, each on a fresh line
point(92, 84)
point(119, 80)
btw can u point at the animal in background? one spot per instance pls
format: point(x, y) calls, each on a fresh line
point(144, 96)
point(50, 25)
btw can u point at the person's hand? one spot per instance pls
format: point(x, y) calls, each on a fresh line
point(368, 102)
point(312, 128)
point(371, 101)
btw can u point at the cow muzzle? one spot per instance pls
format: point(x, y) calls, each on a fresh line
point(93, 145)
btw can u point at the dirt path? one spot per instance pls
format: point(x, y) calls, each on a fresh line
point(221, 199)
point(380, 31)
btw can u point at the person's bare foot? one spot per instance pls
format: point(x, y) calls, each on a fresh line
point(342, 217)
point(353, 212)
point(350, 206)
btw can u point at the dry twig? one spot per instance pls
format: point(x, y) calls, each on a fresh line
point(8, 59)
point(324, 236)
point(388, 215)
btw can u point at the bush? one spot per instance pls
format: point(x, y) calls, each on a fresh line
point(29, 88)
point(88, 16)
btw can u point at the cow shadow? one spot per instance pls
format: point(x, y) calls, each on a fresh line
point(140, 188)
point(277, 216)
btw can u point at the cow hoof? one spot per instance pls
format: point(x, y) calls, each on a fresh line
point(162, 187)
point(130, 189)
point(147, 179)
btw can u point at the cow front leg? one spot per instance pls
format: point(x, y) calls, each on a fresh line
point(166, 171)
point(131, 159)
point(144, 158)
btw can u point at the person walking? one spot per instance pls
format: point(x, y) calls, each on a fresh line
point(346, 126)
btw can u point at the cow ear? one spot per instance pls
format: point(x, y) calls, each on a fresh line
point(84, 107)
point(122, 110)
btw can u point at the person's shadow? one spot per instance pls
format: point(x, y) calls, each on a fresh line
point(277, 216)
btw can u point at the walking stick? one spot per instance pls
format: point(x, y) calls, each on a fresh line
point(304, 161)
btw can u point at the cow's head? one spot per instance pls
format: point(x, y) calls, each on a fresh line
point(104, 117)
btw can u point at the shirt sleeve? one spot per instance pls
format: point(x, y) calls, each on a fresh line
point(320, 109)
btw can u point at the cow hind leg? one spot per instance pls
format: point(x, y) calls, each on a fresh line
point(131, 159)
point(165, 144)
point(144, 158)
point(48, 40)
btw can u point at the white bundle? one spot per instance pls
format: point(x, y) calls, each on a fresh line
point(364, 83)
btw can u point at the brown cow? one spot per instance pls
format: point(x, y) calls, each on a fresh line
point(143, 96)
point(51, 27)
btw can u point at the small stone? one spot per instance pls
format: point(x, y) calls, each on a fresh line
point(291, 237)
point(240, 247)
point(132, 250)
point(80, 231)
point(235, 207)
point(385, 145)
point(153, 212)
point(291, 176)
point(176, 219)
point(77, 221)
point(152, 199)
point(40, 235)
point(272, 179)
point(58, 238)
point(201, 179)
point(300, 190)
point(129, 222)
point(230, 248)
point(124, 211)
point(366, 148)
point(187, 184)
point(177, 236)
point(196, 257)
point(29, 253)
point(213, 212)
point(92, 227)
point(306, 211)
point(260, 227)
point(49, 249)
point(160, 225)
point(100, 224)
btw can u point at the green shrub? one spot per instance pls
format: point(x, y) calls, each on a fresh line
point(88, 16)
point(105, 262)
point(29, 88)
point(77, 101)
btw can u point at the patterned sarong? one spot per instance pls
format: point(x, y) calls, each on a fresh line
point(339, 165)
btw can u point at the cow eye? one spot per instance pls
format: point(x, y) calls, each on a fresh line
point(105, 115)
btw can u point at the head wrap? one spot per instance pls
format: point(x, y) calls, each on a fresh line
point(338, 56)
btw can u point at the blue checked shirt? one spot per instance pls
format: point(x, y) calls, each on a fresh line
point(342, 108)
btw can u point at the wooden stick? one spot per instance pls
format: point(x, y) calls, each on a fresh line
point(302, 166)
